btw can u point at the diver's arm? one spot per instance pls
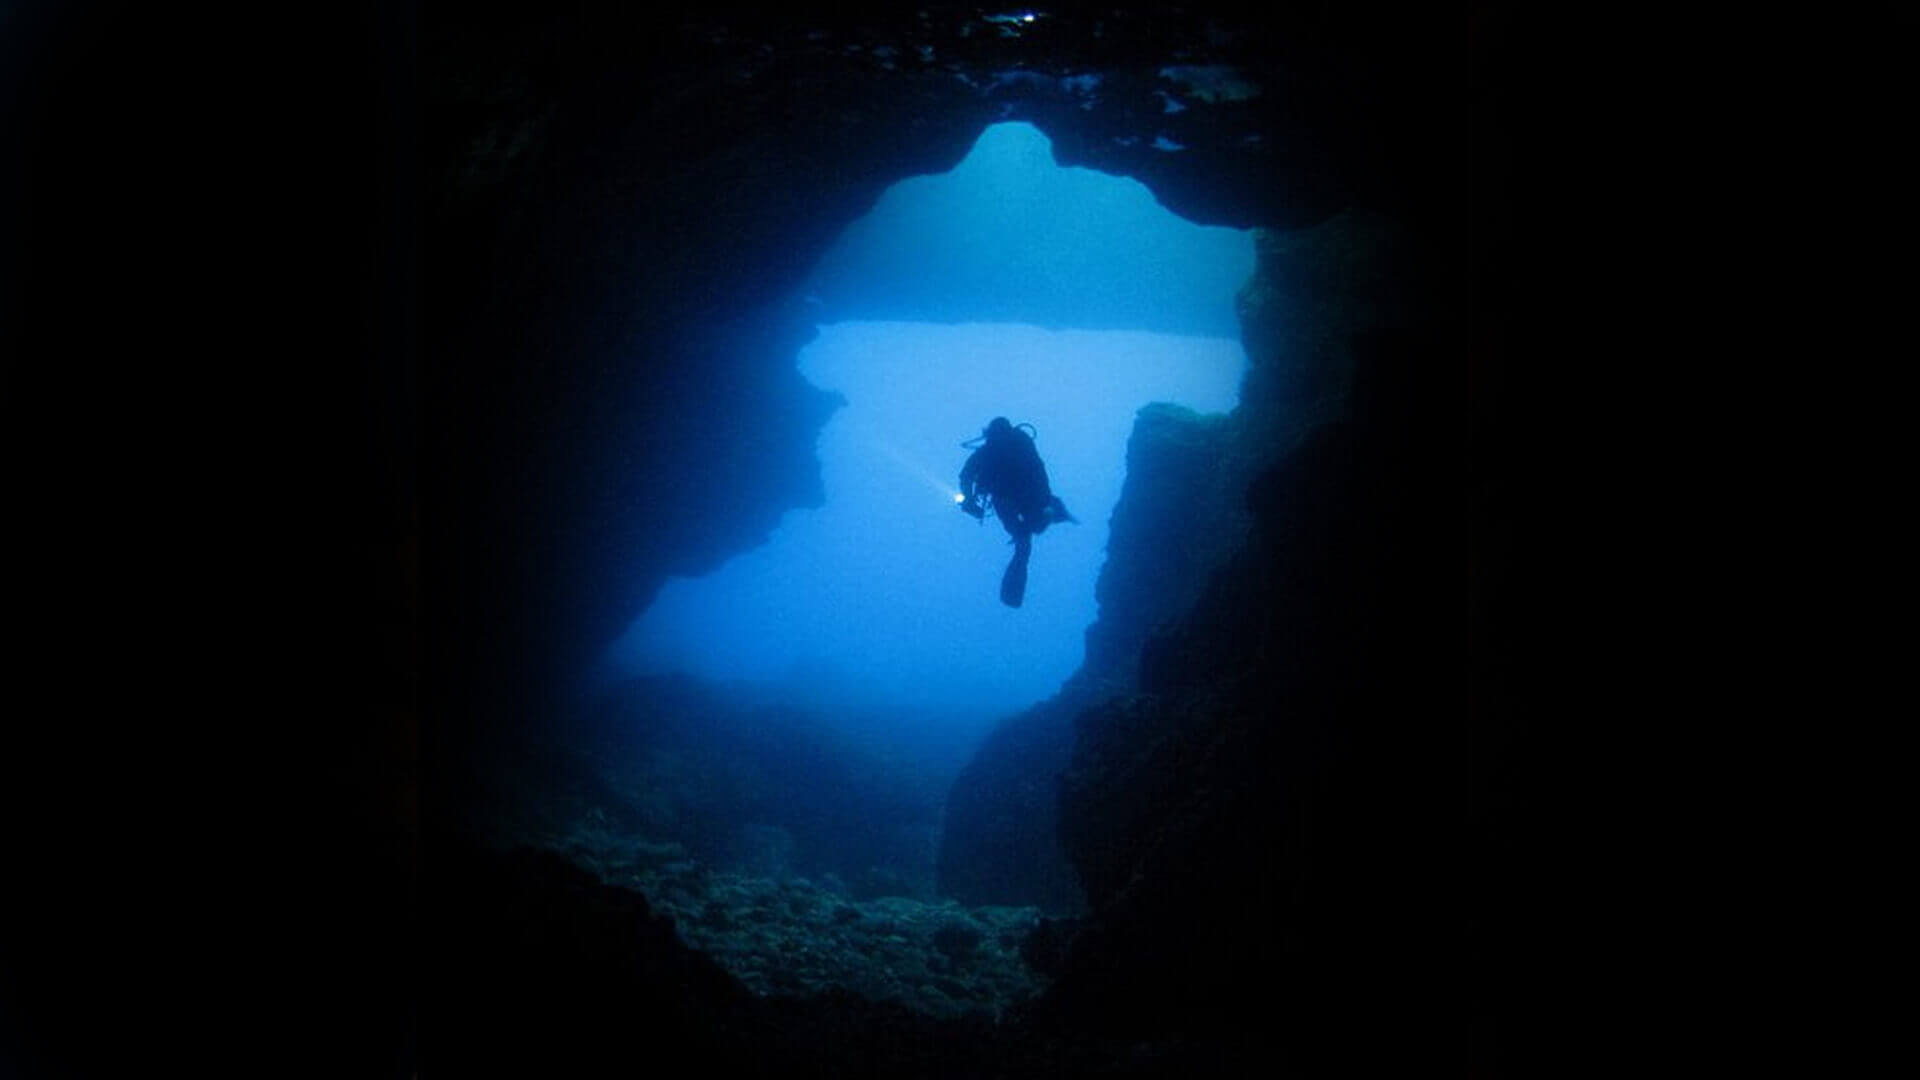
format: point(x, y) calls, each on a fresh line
point(968, 473)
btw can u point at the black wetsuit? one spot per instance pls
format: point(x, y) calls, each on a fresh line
point(1008, 468)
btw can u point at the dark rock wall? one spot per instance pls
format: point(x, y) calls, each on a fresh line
point(510, 286)
point(1175, 519)
point(619, 206)
point(1281, 804)
point(1299, 796)
point(1313, 292)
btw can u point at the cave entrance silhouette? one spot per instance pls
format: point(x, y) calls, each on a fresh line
point(1008, 286)
point(844, 672)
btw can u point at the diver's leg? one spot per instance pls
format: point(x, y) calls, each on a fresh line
point(1013, 584)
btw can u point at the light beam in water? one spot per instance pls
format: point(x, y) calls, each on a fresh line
point(912, 468)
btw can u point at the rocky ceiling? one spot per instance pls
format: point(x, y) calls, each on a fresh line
point(620, 202)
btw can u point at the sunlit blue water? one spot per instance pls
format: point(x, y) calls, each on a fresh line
point(1008, 236)
point(888, 592)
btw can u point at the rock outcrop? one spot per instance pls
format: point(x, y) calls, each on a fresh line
point(999, 841)
point(1313, 294)
point(1297, 785)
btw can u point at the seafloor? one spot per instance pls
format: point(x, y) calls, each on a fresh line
point(798, 936)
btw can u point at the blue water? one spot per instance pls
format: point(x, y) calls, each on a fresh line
point(1008, 287)
point(888, 593)
point(1008, 236)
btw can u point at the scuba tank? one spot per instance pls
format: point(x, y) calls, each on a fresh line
point(980, 440)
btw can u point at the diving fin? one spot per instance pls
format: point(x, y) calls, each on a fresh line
point(1013, 584)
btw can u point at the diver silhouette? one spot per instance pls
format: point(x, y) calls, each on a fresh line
point(1006, 474)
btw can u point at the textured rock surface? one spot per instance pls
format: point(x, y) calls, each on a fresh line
point(1304, 766)
point(1314, 291)
point(544, 255)
point(999, 842)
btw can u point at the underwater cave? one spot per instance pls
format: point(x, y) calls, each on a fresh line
point(1062, 298)
point(379, 370)
point(649, 793)
point(785, 766)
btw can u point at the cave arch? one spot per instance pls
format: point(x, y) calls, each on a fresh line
point(613, 272)
point(600, 246)
point(1007, 283)
point(625, 221)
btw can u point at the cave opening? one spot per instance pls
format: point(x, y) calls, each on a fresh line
point(1059, 297)
point(796, 719)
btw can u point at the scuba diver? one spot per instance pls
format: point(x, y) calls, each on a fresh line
point(1005, 474)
